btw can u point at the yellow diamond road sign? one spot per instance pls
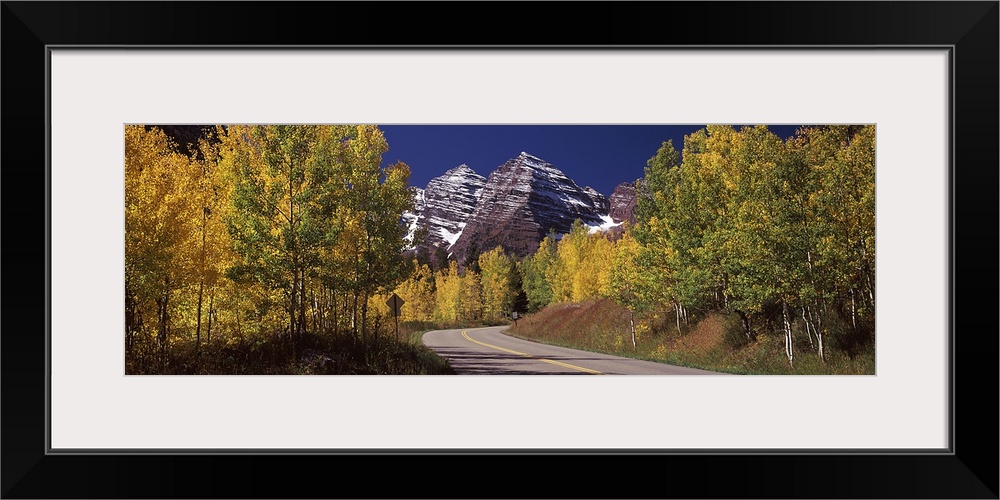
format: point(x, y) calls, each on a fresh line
point(394, 303)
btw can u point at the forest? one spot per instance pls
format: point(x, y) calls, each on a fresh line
point(264, 249)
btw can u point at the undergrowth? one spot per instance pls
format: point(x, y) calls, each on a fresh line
point(313, 354)
point(713, 340)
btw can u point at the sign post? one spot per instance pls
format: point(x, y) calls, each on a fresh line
point(514, 314)
point(395, 303)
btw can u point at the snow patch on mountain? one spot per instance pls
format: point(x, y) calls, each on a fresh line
point(411, 219)
point(444, 205)
point(451, 237)
point(607, 224)
point(520, 202)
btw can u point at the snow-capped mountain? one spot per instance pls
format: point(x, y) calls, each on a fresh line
point(443, 207)
point(521, 201)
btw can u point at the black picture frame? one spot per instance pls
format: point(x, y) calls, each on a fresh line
point(969, 470)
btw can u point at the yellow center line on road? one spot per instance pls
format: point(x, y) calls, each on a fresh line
point(566, 365)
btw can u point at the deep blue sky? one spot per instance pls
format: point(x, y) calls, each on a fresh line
point(599, 156)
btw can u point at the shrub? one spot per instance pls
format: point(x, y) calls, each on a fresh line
point(732, 329)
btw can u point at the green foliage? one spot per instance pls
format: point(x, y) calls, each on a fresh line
point(276, 233)
point(533, 270)
point(600, 326)
point(732, 330)
point(268, 233)
point(779, 233)
point(498, 284)
point(627, 283)
point(747, 221)
point(417, 292)
point(448, 298)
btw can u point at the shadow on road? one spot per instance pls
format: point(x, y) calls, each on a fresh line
point(468, 362)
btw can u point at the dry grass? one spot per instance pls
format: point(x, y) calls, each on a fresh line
point(706, 335)
point(713, 341)
point(597, 325)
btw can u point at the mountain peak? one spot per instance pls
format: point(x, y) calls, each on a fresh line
point(463, 168)
point(532, 160)
point(520, 202)
point(444, 205)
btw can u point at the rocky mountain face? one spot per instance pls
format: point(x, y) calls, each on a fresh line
point(521, 201)
point(444, 206)
point(622, 203)
point(601, 203)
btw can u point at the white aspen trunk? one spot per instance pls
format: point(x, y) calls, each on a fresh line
point(816, 323)
point(631, 325)
point(303, 302)
point(324, 309)
point(291, 310)
point(354, 315)
point(201, 282)
point(677, 315)
point(819, 330)
point(315, 311)
point(822, 355)
point(329, 307)
point(197, 332)
point(211, 315)
point(746, 324)
point(336, 308)
point(854, 314)
point(788, 333)
point(163, 316)
point(808, 330)
point(364, 320)
point(239, 327)
point(295, 265)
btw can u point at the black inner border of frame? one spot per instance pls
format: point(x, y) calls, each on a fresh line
point(30, 28)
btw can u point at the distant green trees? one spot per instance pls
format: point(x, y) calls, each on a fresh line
point(498, 278)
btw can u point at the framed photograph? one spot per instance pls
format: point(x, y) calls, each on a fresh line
point(921, 77)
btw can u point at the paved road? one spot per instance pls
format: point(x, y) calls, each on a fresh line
point(487, 351)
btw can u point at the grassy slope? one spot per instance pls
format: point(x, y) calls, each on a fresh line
point(603, 326)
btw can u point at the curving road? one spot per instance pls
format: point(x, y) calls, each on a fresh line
point(487, 351)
